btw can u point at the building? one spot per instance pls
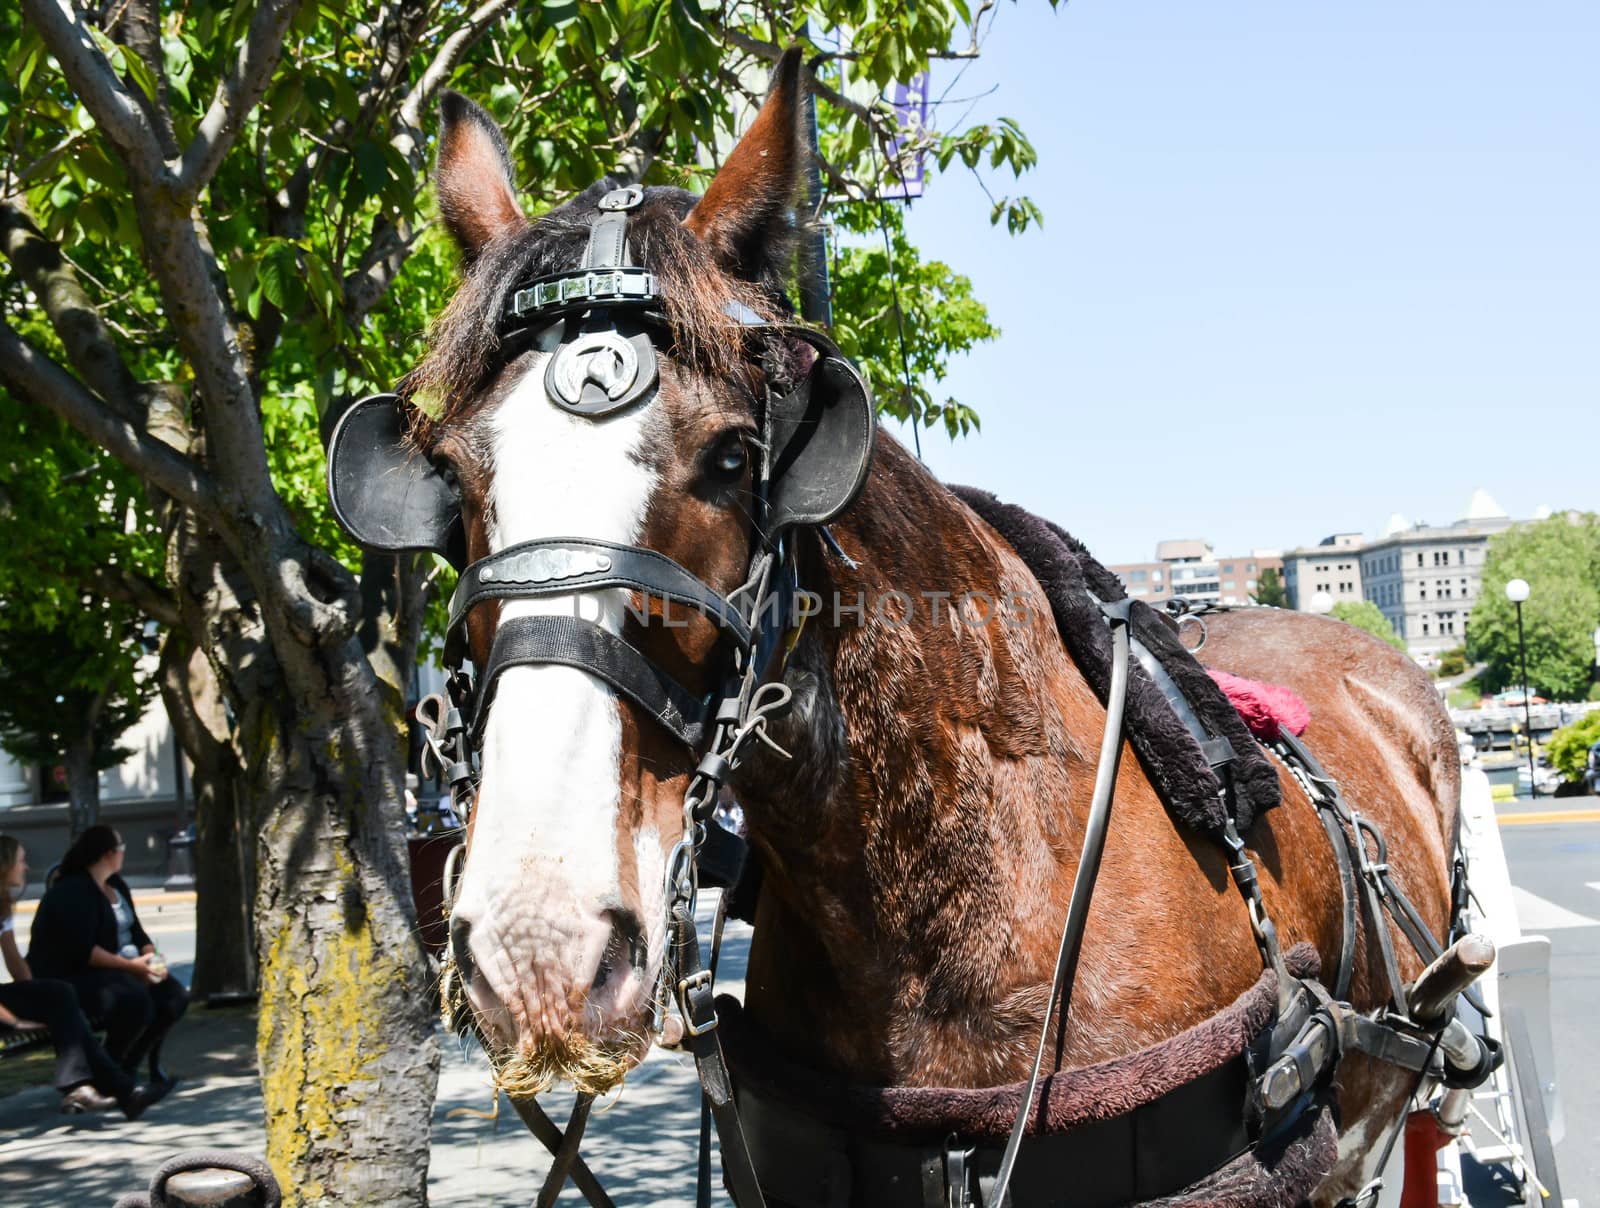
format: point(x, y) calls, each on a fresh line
point(1189, 569)
point(1333, 565)
point(1425, 579)
point(147, 797)
point(143, 797)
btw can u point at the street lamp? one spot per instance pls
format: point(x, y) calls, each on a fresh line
point(1322, 603)
point(1517, 591)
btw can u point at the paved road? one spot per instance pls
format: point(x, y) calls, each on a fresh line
point(643, 1147)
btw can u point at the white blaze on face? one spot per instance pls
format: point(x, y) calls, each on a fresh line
point(544, 859)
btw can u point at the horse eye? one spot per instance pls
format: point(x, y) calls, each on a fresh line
point(447, 472)
point(726, 460)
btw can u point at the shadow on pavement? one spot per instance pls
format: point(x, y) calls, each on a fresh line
point(50, 1159)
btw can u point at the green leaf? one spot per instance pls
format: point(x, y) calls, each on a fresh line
point(372, 167)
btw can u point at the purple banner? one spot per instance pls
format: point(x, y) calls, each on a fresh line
point(910, 101)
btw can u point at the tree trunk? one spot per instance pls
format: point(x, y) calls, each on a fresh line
point(312, 773)
point(225, 845)
point(349, 1061)
point(83, 785)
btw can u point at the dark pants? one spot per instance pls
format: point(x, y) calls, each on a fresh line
point(137, 1015)
point(79, 1057)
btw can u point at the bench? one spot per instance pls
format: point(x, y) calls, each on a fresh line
point(14, 1041)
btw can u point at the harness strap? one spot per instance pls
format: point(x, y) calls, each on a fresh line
point(1105, 780)
point(563, 565)
point(574, 642)
point(1347, 897)
point(1218, 752)
point(1324, 796)
point(1150, 1152)
point(608, 236)
point(694, 993)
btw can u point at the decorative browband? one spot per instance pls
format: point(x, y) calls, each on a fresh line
point(571, 291)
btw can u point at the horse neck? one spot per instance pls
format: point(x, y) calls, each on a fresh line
point(910, 834)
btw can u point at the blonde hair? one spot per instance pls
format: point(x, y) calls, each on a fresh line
point(10, 849)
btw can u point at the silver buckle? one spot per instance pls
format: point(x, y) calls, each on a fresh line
point(693, 982)
point(629, 197)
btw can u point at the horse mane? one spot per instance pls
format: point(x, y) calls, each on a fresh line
point(464, 341)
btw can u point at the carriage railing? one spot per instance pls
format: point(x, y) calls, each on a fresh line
point(1515, 1117)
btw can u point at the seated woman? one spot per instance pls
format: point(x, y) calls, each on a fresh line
point(85, 1074)
point(87, 932)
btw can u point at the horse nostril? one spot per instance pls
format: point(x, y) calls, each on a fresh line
point(460, 934)
point(625, 947)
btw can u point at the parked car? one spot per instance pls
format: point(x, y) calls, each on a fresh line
point(1548, 780)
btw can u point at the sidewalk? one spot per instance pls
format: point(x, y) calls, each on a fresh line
point(642, 1148)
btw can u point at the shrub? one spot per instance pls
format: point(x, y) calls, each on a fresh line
point(1568, 748)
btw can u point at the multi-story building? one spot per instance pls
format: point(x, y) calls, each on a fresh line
point(1333, 566)
point(1425, 579)
point(1189, 569)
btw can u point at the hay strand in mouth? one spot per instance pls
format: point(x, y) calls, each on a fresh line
point(590, 1066)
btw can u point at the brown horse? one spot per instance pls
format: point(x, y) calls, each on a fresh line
point(921, 840)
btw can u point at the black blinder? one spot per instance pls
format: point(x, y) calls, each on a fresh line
point(822, 437)
point(387, 496)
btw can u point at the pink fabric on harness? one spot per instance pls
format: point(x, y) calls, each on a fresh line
point(1265, 708)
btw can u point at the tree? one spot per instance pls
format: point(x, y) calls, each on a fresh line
point(78, 557)
point(1560, 559)
point(1364, 614)
point(1270, 590)
point(938, 315)
point(81, 526)
point(217, 238)
point(68, 692)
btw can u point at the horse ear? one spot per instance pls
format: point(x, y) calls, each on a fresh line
point(745, 215)
point(477, 196)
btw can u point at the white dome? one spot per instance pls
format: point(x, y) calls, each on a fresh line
point(1397, 524)
point(1483, 507)
point(1543, 512)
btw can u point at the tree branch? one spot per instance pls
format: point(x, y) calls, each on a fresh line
point(456, 45)
point(153, 599)
point(138, 28)
point(88, 341)
point(772, 52)
point(390, 244)
point(971, 52)
point(108, 102)
point(38, 378)
point(237, 94)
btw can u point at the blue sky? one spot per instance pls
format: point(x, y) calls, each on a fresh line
point(1303, 266)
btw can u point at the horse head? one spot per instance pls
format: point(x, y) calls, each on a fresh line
point(634, 432)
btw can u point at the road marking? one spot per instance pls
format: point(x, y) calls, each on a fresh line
point(1535, 914)
point(1537, 817)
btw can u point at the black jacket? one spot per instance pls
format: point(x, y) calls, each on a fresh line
point(73, 917)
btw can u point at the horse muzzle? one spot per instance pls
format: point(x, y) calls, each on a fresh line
point(555, 990)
